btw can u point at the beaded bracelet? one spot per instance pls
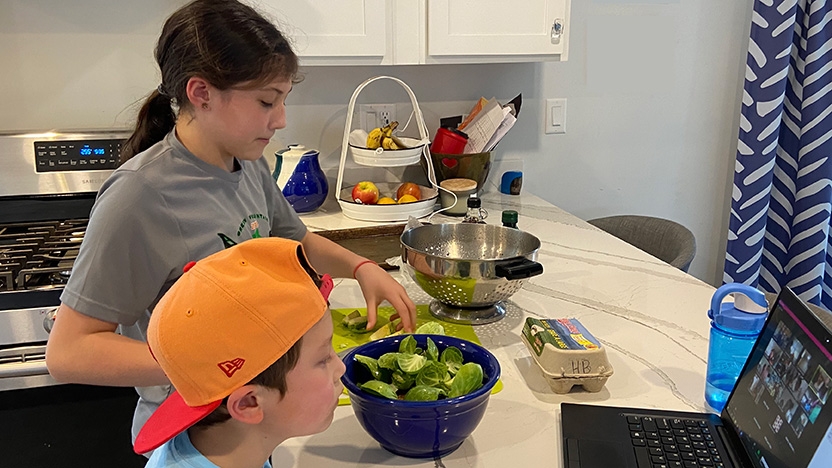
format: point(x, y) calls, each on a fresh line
point(355, 270)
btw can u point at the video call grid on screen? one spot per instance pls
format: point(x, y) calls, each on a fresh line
point(784, 406)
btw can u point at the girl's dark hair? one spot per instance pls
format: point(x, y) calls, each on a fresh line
point(223, 41)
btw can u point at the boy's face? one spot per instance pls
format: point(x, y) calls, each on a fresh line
point(312, 386)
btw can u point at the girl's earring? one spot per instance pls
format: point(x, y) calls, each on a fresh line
point(205, 105)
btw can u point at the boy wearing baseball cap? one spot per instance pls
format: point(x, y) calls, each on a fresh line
point(246, 341)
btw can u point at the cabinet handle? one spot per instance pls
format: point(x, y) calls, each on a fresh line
point(557, 31)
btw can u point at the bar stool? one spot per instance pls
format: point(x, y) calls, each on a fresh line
point(662, 238)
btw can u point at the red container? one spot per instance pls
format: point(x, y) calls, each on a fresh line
point(448, 142)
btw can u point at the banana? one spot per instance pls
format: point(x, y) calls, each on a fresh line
point(374, 138)
point(398, 142)
point(389, 144)
point(388, 129)
point(383, 137)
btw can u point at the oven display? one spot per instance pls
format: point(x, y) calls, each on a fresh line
point(76, 155)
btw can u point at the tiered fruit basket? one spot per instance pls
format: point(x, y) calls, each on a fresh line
point(387, 158)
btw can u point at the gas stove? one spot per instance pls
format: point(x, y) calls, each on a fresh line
point(38, 255)
point(48, 185)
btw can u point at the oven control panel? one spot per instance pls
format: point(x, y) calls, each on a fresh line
point(77, 155)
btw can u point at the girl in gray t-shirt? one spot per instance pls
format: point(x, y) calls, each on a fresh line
point(192, 181)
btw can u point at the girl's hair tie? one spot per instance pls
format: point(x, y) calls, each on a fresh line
point(162, 91)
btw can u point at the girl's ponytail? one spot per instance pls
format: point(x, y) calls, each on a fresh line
point(155, 120)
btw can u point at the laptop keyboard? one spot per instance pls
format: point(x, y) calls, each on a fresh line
point(673, 443)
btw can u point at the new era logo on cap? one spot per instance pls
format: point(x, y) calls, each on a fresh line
point(232, 366)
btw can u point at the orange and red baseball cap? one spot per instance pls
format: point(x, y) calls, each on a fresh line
point(228, 318)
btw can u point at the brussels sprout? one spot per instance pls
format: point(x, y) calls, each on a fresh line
point(389, 361)
point(431, 374)
point(379, 388)
point(468, 379)
point(446, 383)
point(411, 363)
point(384, 330)
point(371, 365)
point(430, 328)
point(408, 345)
point(352, 315)
point(421, 375)
point(432, 351)
point(423, 393)
point(358, 325)
point(452, 356)
point(401, 380)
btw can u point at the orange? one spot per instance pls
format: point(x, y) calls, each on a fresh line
point(407, 199)
point(409, 188)
point(386, 201)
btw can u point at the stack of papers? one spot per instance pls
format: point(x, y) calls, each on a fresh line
point(488, 122)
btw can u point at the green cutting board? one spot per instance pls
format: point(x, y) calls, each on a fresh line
point(344, 339)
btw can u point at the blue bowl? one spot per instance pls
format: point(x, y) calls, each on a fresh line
point(419, 429)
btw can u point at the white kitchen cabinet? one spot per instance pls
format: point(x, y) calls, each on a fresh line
point(333, 33)
point(408, 32)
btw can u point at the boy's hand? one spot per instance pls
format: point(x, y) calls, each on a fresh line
point(377, 286)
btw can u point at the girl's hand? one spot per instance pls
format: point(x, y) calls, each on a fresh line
point(377, 285)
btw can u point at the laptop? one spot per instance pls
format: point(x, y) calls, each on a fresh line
point(779, 414)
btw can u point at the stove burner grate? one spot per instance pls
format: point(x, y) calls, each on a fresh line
point(38, 255)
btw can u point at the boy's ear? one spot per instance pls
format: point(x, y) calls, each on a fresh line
point(246, 404)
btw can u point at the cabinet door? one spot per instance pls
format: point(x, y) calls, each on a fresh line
point(346, 31)
point(496, 30)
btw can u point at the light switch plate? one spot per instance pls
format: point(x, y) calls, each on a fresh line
point(555, 121)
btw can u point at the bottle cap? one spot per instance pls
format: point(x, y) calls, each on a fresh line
point(746, 304)
point(474, 202)
point(739, 315)
point(509, 217)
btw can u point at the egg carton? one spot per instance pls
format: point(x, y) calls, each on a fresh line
point(567, 354)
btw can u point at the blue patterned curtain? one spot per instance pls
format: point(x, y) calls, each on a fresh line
point(781, 202)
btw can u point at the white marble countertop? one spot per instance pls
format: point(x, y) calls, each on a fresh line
point(651, 317)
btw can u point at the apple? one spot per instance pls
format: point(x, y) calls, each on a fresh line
point(409, 188)
point(365, 192)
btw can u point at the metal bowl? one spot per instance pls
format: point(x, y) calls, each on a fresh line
point(469, 268)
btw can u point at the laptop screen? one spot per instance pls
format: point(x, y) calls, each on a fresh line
point(781, 406)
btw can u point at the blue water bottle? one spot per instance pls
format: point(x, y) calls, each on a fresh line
point(734, 329)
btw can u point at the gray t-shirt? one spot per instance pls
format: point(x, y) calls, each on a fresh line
point(160, 210)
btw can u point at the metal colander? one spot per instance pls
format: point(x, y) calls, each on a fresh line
point(469, 265)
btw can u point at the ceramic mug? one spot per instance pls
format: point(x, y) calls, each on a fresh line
point(462, 188)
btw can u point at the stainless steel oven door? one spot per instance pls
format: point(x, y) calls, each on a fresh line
point(47, 424)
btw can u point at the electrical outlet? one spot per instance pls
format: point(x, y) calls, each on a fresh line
point(376, 115)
